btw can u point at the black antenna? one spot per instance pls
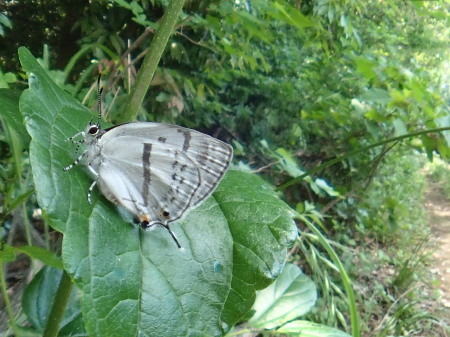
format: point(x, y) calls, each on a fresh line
point(99, 98)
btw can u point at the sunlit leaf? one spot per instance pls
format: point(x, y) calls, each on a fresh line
point(292, 295)
point(309, 329)
point(400, 127)
point(376, 95)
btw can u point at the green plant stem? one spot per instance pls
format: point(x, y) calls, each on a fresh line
point(356, 151)
point(17, 148)
point(59, 306)
point(7, 301)
point(151, 61)
point(354, 318)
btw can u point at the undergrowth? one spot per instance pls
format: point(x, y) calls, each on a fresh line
point(387, 250)
point(438, 174)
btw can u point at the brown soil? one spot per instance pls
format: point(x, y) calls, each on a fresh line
point(438, 209)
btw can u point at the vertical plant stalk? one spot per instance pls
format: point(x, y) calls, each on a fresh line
point(59, 306)
point(354, 318)
point(151, 61)
point(17, 148)
point(8, 306)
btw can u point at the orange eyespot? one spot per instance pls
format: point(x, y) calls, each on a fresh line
point(144, 219)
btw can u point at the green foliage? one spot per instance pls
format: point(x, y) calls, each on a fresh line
point(437, 173)
point(14, 140)
point(389, 211)
point(392, 204)
point(319, 255)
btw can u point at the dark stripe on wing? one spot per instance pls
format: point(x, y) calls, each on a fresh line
point(146, 154)
point(187, 138)
point(213, 159)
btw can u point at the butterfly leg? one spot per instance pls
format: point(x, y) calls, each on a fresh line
point(67, 168)
point(90, 191)
point(93, 183)
point(71, 139)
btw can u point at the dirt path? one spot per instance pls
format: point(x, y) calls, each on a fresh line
point(438, 208)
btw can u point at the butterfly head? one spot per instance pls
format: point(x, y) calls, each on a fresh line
point(93, 130)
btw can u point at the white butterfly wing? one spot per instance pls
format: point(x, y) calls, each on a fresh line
point(163, 169)
point(163, 191)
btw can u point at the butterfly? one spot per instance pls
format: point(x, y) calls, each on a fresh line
point(157, 172)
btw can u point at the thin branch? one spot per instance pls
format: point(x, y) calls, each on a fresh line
point(356, 151)
point(151, 61)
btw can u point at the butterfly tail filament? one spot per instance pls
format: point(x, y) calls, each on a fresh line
point(146, 224)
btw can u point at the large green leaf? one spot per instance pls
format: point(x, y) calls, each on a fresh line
point(136, 282)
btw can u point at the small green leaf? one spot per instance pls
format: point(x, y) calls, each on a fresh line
point(38, 299)
point(365, 67)
point(292, 295)
point(20, 199)
point(399, 126)
point(288, 163)
point(291, 15)
point(374, 115)
point(7, 254)
point(46, 256)
point(309, 329)
point(397, 97)
point(429, 142)
point(324, 186)
point(444, 122)
point(9, 100)
point(5, 21)
point(376, 95)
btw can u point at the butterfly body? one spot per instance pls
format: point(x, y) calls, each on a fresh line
point(158, 172)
